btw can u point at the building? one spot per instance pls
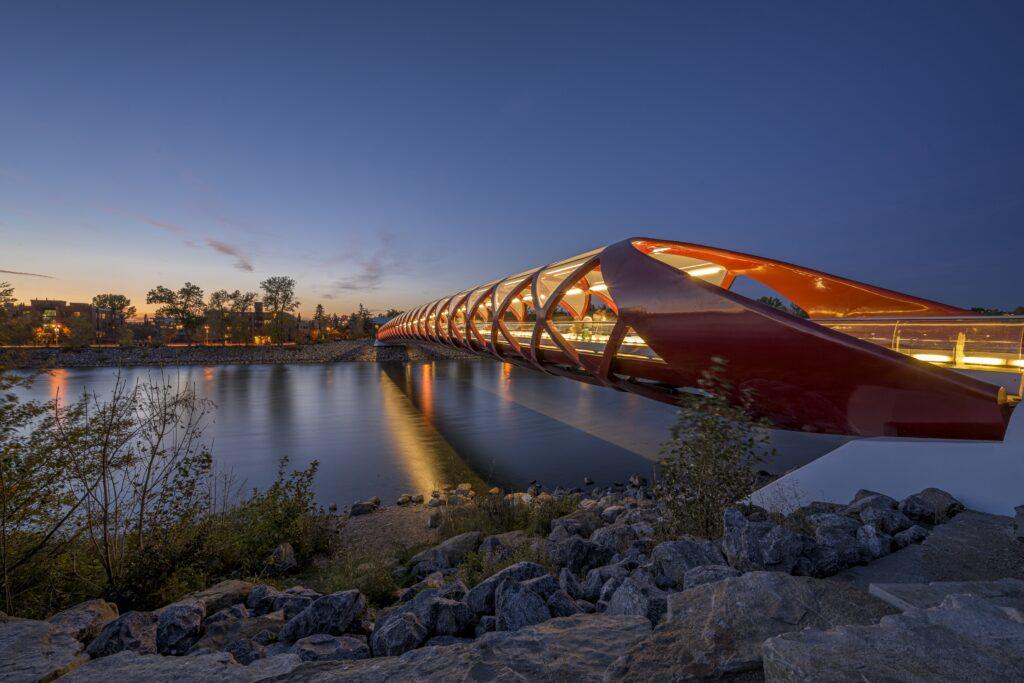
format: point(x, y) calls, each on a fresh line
point(55, 318)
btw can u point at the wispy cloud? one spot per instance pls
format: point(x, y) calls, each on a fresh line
point(18, 272)
point(372, 269)
point(242, 261)
point(163, 225)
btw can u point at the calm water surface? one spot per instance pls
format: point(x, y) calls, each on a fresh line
point(385, 429)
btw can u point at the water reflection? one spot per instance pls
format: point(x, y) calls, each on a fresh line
point(386, 429)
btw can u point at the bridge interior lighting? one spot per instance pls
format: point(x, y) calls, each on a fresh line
point(705, 270)
point(933, 357)
point(660, 250)
point(1018, 363)
point(983, 360)
point(574, 291)
point(599, 288)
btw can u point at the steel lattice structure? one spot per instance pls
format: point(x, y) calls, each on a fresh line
point(649, 316)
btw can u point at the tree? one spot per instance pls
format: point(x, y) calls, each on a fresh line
point(776, 302)
point(241, 322)
point(185, 305)
point(119, 305)
point(217, 313)
point(359, 323)
point(279, 299)
point(78, 333)
point(6, 299)
point(393, 313)
point(708, 464)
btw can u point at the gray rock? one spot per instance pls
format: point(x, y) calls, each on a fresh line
point(516, 606)
point(577, 648)
point(84, 621)
point(271, 666)
point(362, 508)
point(750, 546)
point(887, 521)
point(610, 513)
point(618, 537)
point(914, 534)
point(931, 506)
point(579, 523)
point(586, 607)
point(609, 588)
point(819, 561)
point(838, 532)
point(219, 635)
point(560, 604)
point(400, 634)
point(577, 554)
point(261, 599)
point(133, 666)
point(543, 586)
point(817, 507)
point(221, 595)
point(716, 630)
point(134, 631)
point(445, 555)
point(598, 577)
point(1018, 522)
point(179, 627)
point(963, 639)
point(568, 582)
point(37, 651)
point(673, 559)
point(244, 650)
point(291, 604)
point(449, 617)
point(444, 641)
point(874, 542)
point(708, 573)
point(281, 560)
point(330, 614)
point(321, 647)
point(238, 611)
point(481, 598)
point(638, 598)
point(486, 624)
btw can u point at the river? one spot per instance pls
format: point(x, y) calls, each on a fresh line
point(389, 428)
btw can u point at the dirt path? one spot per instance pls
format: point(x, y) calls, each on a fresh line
point(391, 529)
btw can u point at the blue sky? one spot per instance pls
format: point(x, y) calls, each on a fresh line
point(388, 153)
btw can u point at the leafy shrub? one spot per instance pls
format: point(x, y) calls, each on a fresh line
point(368, 571)
point(496, 514)
point(708, 464)
point(476, 566)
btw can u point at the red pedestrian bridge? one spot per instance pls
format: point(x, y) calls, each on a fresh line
point(648, 316)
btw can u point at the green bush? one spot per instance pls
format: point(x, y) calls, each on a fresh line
point(370, 572)
point(476, 566)
point(708, 464)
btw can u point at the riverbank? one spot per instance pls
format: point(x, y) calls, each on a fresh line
point(361, 350)
point(580, 585)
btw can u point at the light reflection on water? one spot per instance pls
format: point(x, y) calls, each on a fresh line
point(389, 428)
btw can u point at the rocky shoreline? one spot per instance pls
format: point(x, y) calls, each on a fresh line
point(777, 598)
point(361, 350)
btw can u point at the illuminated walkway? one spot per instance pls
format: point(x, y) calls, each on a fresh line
point(648, 316)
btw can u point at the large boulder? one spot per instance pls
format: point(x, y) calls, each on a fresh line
point(261, 599)
point(965, 638)
point(449, 617)
point(134, 631)
point(598, 577)
point(37, 651)
point(445, 555)
point(887, 521)
point(400, 634)
point(322, 646)
point(220, 634)
point(838, 532)
point(500, 547)
point(716, 630)
point(331, 614)
point(931, 506)
point(281, 560)
point(864, 499)
point(517, 606)
point(481, 598)
point(179, 627)
point(638, 597)
point(750, 546)
point(617, 537)
point(438, 610)
point(578, 554)
point(232, 613)
point(221, 595)
point(84, 621)
point(673, 559)
point(708, 573)
point(873, 542)
point(133, 666)
point(577, 648)
point(568, 582)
